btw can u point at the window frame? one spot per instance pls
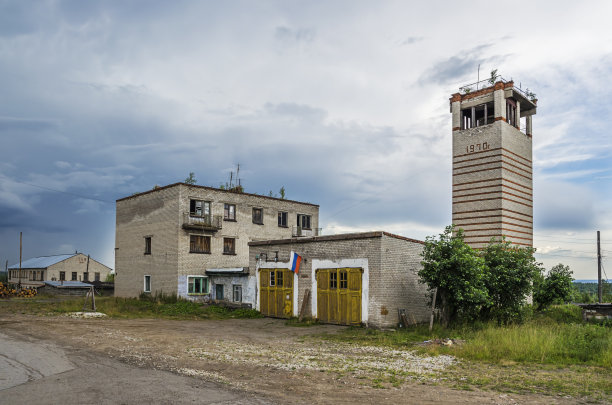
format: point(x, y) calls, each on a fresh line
point(74, 276)
point(205, 208)
point(146, 279)
point(85, 276)
point(333, 280)
point(261, 215)
point(148, 245)
point(233, 246)
point(301, 219)
point(283, 217)
point(236, 288)
point(62, 276)
point(191, 244)
point(97, 276)
point(227, 211)
point(204, 285)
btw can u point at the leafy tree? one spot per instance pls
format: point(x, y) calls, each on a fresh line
point(110, 278)
point(282, 192)
point(509, 274)
point(191, 179)
point(453, 267)
point(556, 287)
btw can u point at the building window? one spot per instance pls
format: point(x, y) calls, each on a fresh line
point(197, 285)
point(147, 250)
point(272, 279)
point(333, 280)
point(303, 221)
point(199, 208)
point(62, 275)
point(85, 276)
point(343, 279)
point(229, 246)
point(511, 112)
point(74, 276)
point(229, 212)
point(199, 244)
point(237, 295)
point(96, 276)
point(258, 216)
point(147, 283)
point(282, 219)
point(279, 278)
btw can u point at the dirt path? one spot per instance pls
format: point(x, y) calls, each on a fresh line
point(263, 357)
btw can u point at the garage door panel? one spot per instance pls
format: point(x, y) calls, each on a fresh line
point(339, 295)
point(276, 300)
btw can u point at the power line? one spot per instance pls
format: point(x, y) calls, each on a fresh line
point(56, 190)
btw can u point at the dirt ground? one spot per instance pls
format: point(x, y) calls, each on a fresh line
point(263, 358)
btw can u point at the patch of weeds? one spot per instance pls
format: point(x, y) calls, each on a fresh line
point(305, 322)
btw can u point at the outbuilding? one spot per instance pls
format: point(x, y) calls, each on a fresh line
point(349, 279)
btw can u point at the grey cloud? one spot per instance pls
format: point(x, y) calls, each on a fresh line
point(457, 66)
point(301, 111)
point(297, 35)
point(411, 40)
point(26, 124)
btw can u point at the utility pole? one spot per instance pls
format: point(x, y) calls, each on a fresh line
point(20, 250)
point(599, 286)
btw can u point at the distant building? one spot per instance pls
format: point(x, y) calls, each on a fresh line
point(72, 267)
point(492, 163)
point(193, 240)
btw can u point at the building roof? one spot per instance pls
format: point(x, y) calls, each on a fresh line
point(67, 284)
point(342, 236)
point(214, 189)
point(41, 262)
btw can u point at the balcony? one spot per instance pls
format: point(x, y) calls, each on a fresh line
point(202, 222)
point(299, 232)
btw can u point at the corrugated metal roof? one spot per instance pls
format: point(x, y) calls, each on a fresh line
point(67, 284)
point(41, 262)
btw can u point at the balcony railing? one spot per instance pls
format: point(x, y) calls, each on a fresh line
point(298, 231)
point(468, 88)
point(202, 222)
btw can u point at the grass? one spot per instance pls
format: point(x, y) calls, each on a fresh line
point(167, 307)
point(554, 353)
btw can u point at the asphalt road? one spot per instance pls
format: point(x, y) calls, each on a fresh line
point(42, 373)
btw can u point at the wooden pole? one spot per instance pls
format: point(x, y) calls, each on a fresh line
point(433, 309)
point(20, 250)
point(599, 285)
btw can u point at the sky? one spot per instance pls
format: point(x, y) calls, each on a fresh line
point(343, 103)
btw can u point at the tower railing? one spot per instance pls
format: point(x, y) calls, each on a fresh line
point(482, 84)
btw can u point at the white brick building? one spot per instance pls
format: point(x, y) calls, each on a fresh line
point(350, 279)
point(192, 240)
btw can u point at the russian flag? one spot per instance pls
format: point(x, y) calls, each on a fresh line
point(294, 262)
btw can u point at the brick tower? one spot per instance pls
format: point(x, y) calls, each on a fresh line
point(492, 163)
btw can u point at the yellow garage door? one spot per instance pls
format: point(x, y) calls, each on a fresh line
point(276, 292)
point(339, 296)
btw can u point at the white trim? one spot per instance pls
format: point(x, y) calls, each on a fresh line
point(337, 264)
point(144, 283)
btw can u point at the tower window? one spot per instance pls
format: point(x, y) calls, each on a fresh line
point(477, 116)
point(511, 111)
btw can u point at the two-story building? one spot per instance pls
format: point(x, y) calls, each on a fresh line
point(192, 240)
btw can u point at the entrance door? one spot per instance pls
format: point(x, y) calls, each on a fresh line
point(219, 291)
point(276, 292)
point(339, 296)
